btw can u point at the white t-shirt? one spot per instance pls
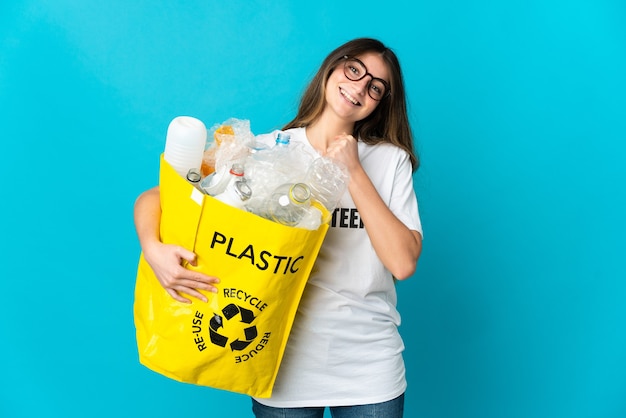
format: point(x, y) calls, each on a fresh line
point(344, 347)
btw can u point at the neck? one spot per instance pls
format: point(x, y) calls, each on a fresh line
point(324, 130)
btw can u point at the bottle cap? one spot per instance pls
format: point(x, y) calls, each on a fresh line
point(283, 138)
point(237, 170)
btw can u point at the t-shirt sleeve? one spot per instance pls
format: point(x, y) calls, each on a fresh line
point(403, 202)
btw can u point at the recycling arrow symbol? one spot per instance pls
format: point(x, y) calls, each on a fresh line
point(229, 312)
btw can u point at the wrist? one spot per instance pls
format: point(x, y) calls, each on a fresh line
point(149, 245)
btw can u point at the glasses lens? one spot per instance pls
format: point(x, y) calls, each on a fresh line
point(377, 89)
point(354, 70)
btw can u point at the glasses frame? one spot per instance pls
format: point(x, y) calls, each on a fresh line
point(348, 75)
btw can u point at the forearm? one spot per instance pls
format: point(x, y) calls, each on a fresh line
point(397, 246)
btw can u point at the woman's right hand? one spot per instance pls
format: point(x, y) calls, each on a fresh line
point(167, 261)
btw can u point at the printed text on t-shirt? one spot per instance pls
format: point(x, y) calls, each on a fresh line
point(346, 218)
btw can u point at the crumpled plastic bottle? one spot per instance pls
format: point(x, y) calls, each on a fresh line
point(328, 181)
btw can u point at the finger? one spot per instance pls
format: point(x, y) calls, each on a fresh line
point(174, 294)
point(186, 273)
point(191, 284)
point(199, 277)
point(193, 293)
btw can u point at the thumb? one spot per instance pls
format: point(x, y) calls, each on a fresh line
point(186, 255)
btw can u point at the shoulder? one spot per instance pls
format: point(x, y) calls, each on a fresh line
point(385, 150)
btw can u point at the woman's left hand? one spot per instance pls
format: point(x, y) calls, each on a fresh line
point(344, 149)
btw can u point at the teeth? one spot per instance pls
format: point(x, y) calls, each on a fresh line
point(347, 96)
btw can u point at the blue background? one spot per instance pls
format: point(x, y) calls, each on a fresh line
point(517, 308)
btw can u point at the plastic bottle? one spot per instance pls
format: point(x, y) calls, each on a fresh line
point(264, 167)
point(184, 144)
point(263, 153)
point(237, 191)
point(328, 181)
point(216, 183)
point(194, 177)
point(290, 159)
point(236, 194)
point(257, 148)
point(289, 203)
point(312, 219)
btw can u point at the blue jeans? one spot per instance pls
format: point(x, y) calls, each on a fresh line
point(390, 409)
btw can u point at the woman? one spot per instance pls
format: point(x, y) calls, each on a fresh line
point(344, 350)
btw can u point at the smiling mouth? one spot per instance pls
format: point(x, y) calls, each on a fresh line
point(349, 98)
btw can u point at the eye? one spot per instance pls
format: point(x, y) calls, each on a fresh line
point(354, 70)
point(377, 89)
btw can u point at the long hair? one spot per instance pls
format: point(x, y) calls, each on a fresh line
point(387, 123)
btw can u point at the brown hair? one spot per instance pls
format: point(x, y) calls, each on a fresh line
point(387, 123)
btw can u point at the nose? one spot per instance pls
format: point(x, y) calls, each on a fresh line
point(363, 83)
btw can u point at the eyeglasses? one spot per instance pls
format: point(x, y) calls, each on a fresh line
point(355, 70)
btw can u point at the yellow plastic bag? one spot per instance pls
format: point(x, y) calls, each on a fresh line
point(236, 340)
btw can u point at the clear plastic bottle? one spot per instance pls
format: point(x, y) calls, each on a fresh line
point(275, 153)
point(216, 183)
point(194, 177)
point(290, 159)
point(236, 194)
point(328, 181)
point(289, 203)
point(258, 148)
point(265, 166)
point(312, 219)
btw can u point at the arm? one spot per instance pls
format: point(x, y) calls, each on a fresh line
point(397, 246)
point(166, 260)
